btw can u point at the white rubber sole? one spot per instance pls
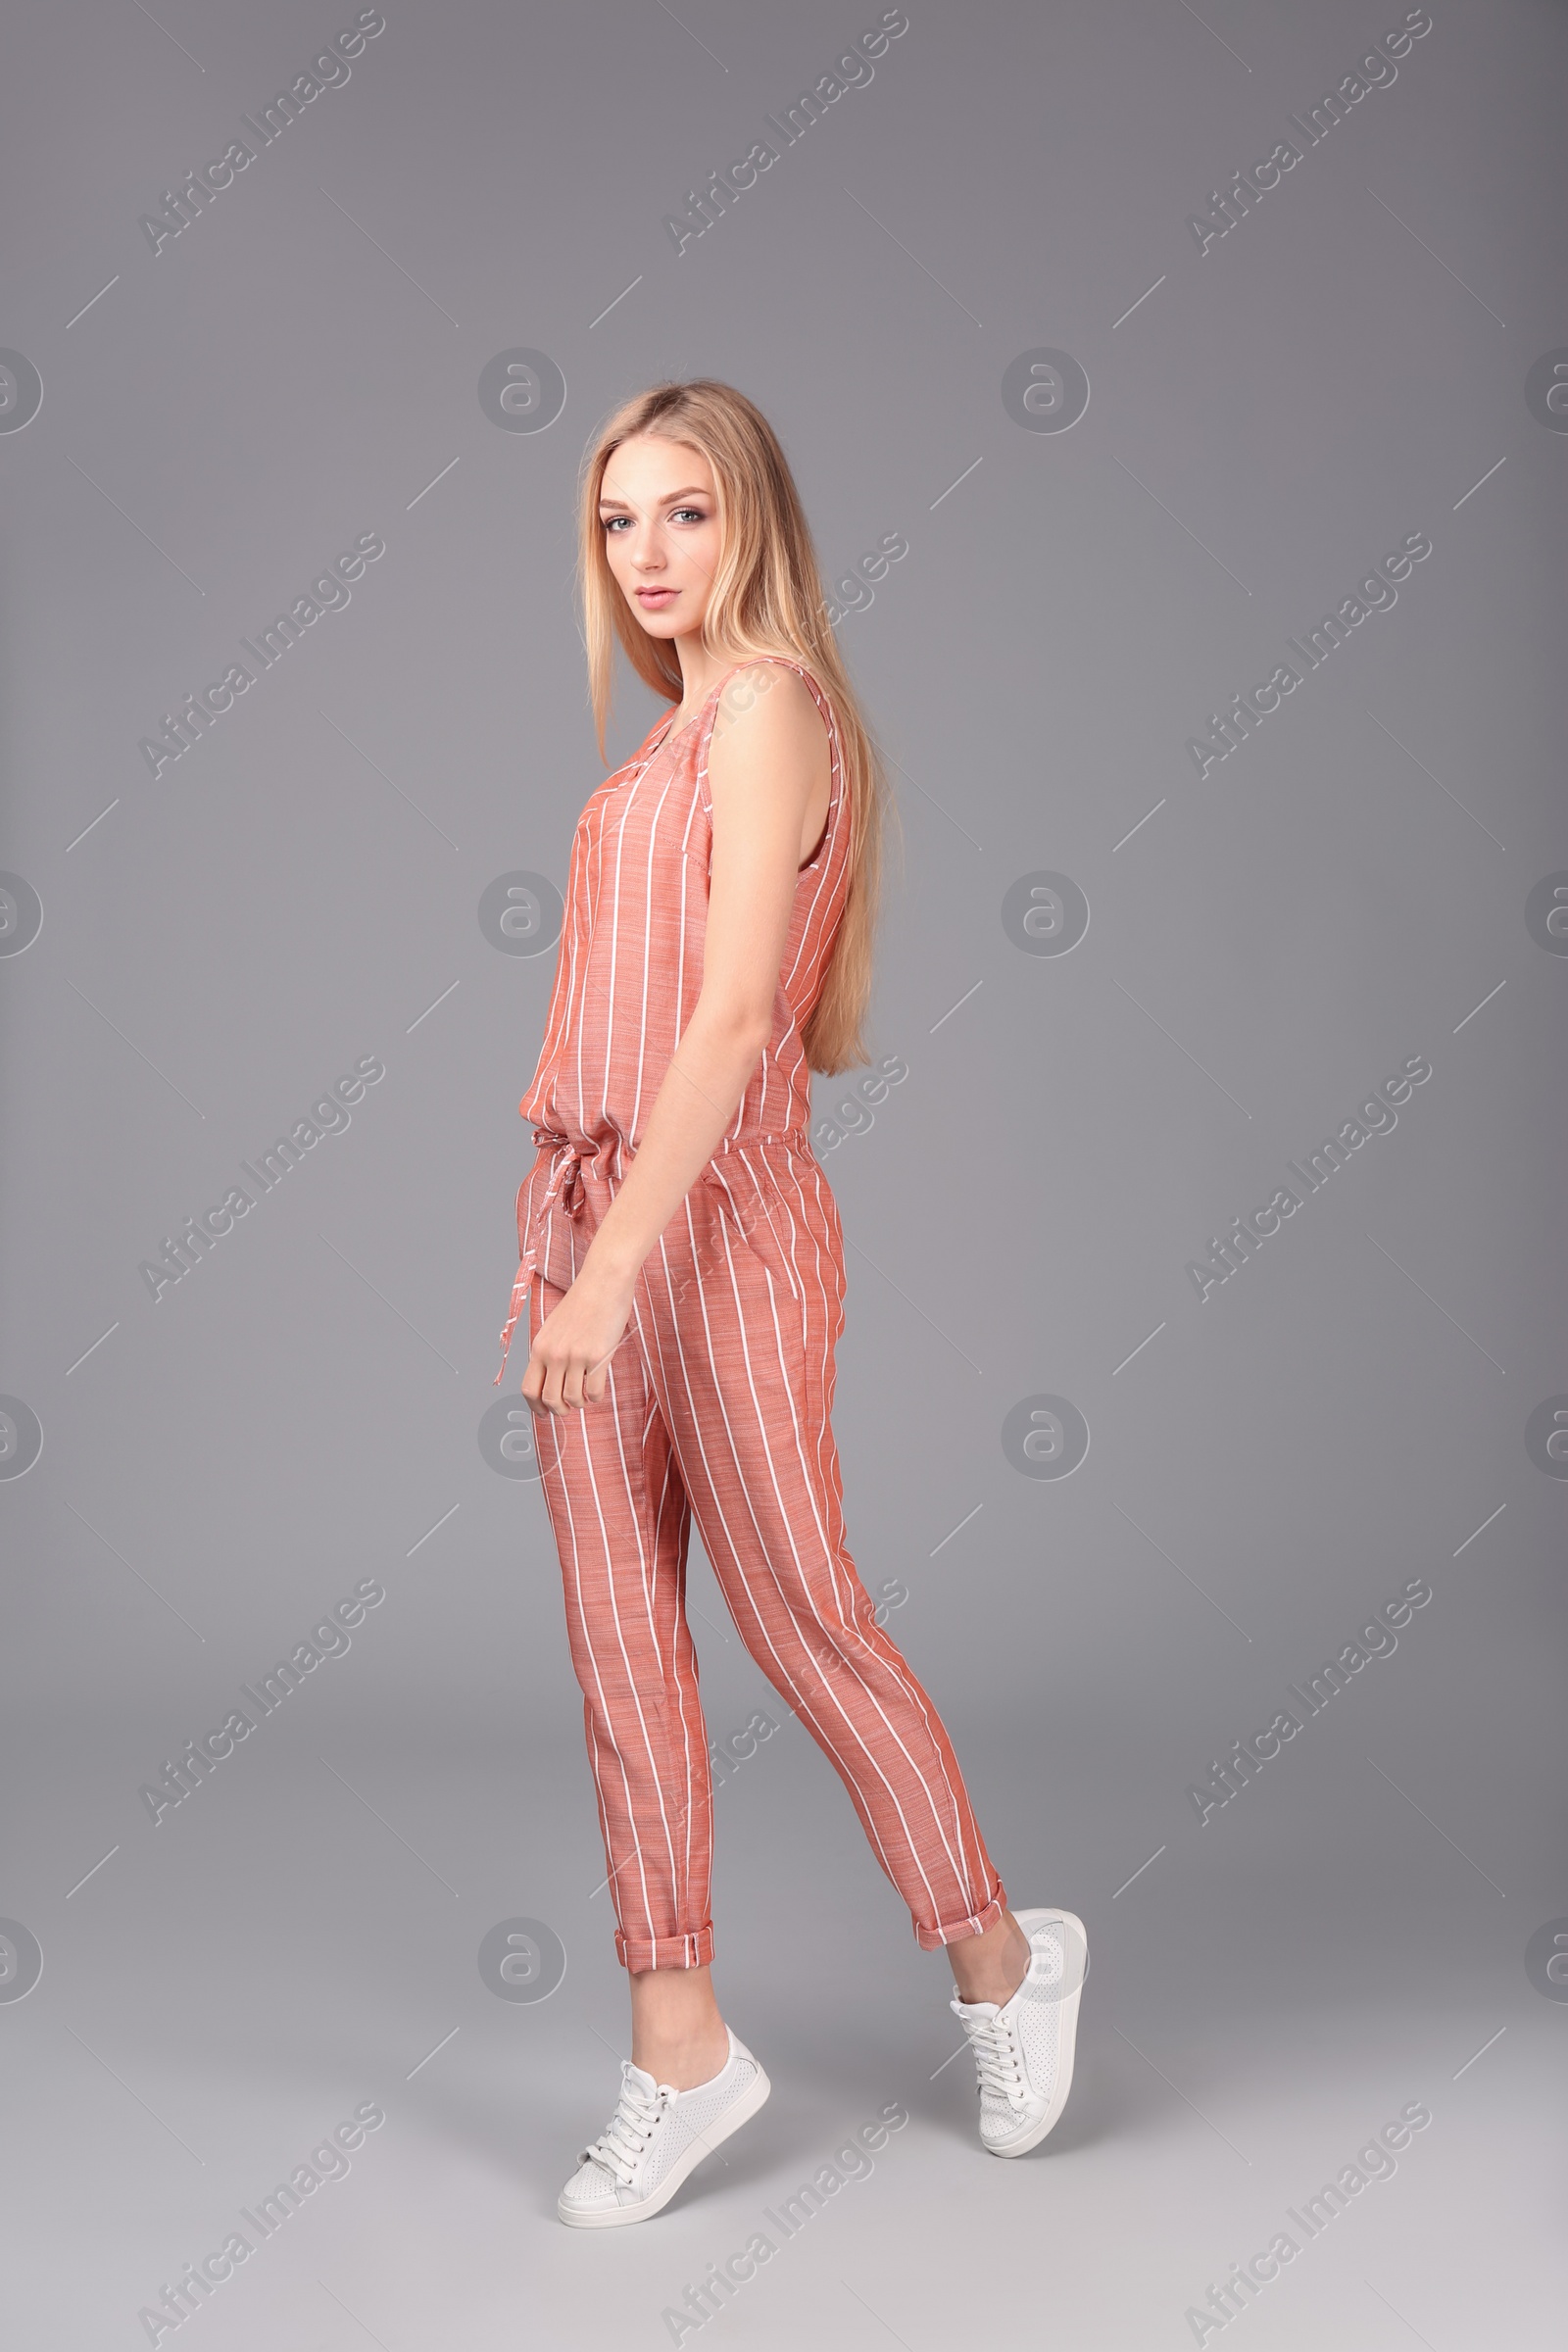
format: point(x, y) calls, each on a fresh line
point(1033, 2134)
point(612, 2217)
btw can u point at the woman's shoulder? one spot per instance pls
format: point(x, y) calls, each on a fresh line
point(788, 678)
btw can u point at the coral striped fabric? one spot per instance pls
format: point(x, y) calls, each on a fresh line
point(718, 1401)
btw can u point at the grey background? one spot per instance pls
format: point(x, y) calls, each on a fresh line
point(303, 1410)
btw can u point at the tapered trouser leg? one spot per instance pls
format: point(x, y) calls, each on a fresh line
point(718, 1409)
point(622, 1522)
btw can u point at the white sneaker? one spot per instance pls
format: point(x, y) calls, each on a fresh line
point(1023, 2048)
point(656, 2137)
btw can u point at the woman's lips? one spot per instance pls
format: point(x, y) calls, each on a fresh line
point(656, 596)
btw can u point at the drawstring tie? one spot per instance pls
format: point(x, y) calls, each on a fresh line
point(564, 1185)
point(565, 1188)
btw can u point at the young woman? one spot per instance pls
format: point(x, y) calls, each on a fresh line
point(685, 1262)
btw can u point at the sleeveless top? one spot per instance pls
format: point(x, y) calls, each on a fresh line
point(629, 971)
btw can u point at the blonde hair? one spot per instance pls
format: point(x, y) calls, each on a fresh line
point(766, 598)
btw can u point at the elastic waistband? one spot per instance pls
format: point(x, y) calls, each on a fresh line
point(605, 1156)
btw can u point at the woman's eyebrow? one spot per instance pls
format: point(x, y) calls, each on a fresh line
point(670, 498)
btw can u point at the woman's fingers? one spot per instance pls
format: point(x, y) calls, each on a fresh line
point(564, 1386)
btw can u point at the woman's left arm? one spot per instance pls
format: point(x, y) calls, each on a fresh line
point(764, 757)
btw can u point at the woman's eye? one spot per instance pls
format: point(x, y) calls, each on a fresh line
point(696, 513)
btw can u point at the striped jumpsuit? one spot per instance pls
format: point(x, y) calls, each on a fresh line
point(718, 1399)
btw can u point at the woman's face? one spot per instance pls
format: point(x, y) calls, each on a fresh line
point(659, 517)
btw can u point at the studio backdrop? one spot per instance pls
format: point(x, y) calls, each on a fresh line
point(1179, 397)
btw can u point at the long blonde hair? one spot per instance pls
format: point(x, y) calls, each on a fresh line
point(766, 598)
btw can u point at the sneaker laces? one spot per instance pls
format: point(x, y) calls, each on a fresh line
point(999, 2059)
point(623, 2143)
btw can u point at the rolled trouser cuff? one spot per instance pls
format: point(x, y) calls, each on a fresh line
point(692, 1950)
point(974, 1922)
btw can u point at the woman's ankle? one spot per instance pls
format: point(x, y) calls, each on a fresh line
point(993, 1965)
point(677, 2034)
point(686, 2059)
